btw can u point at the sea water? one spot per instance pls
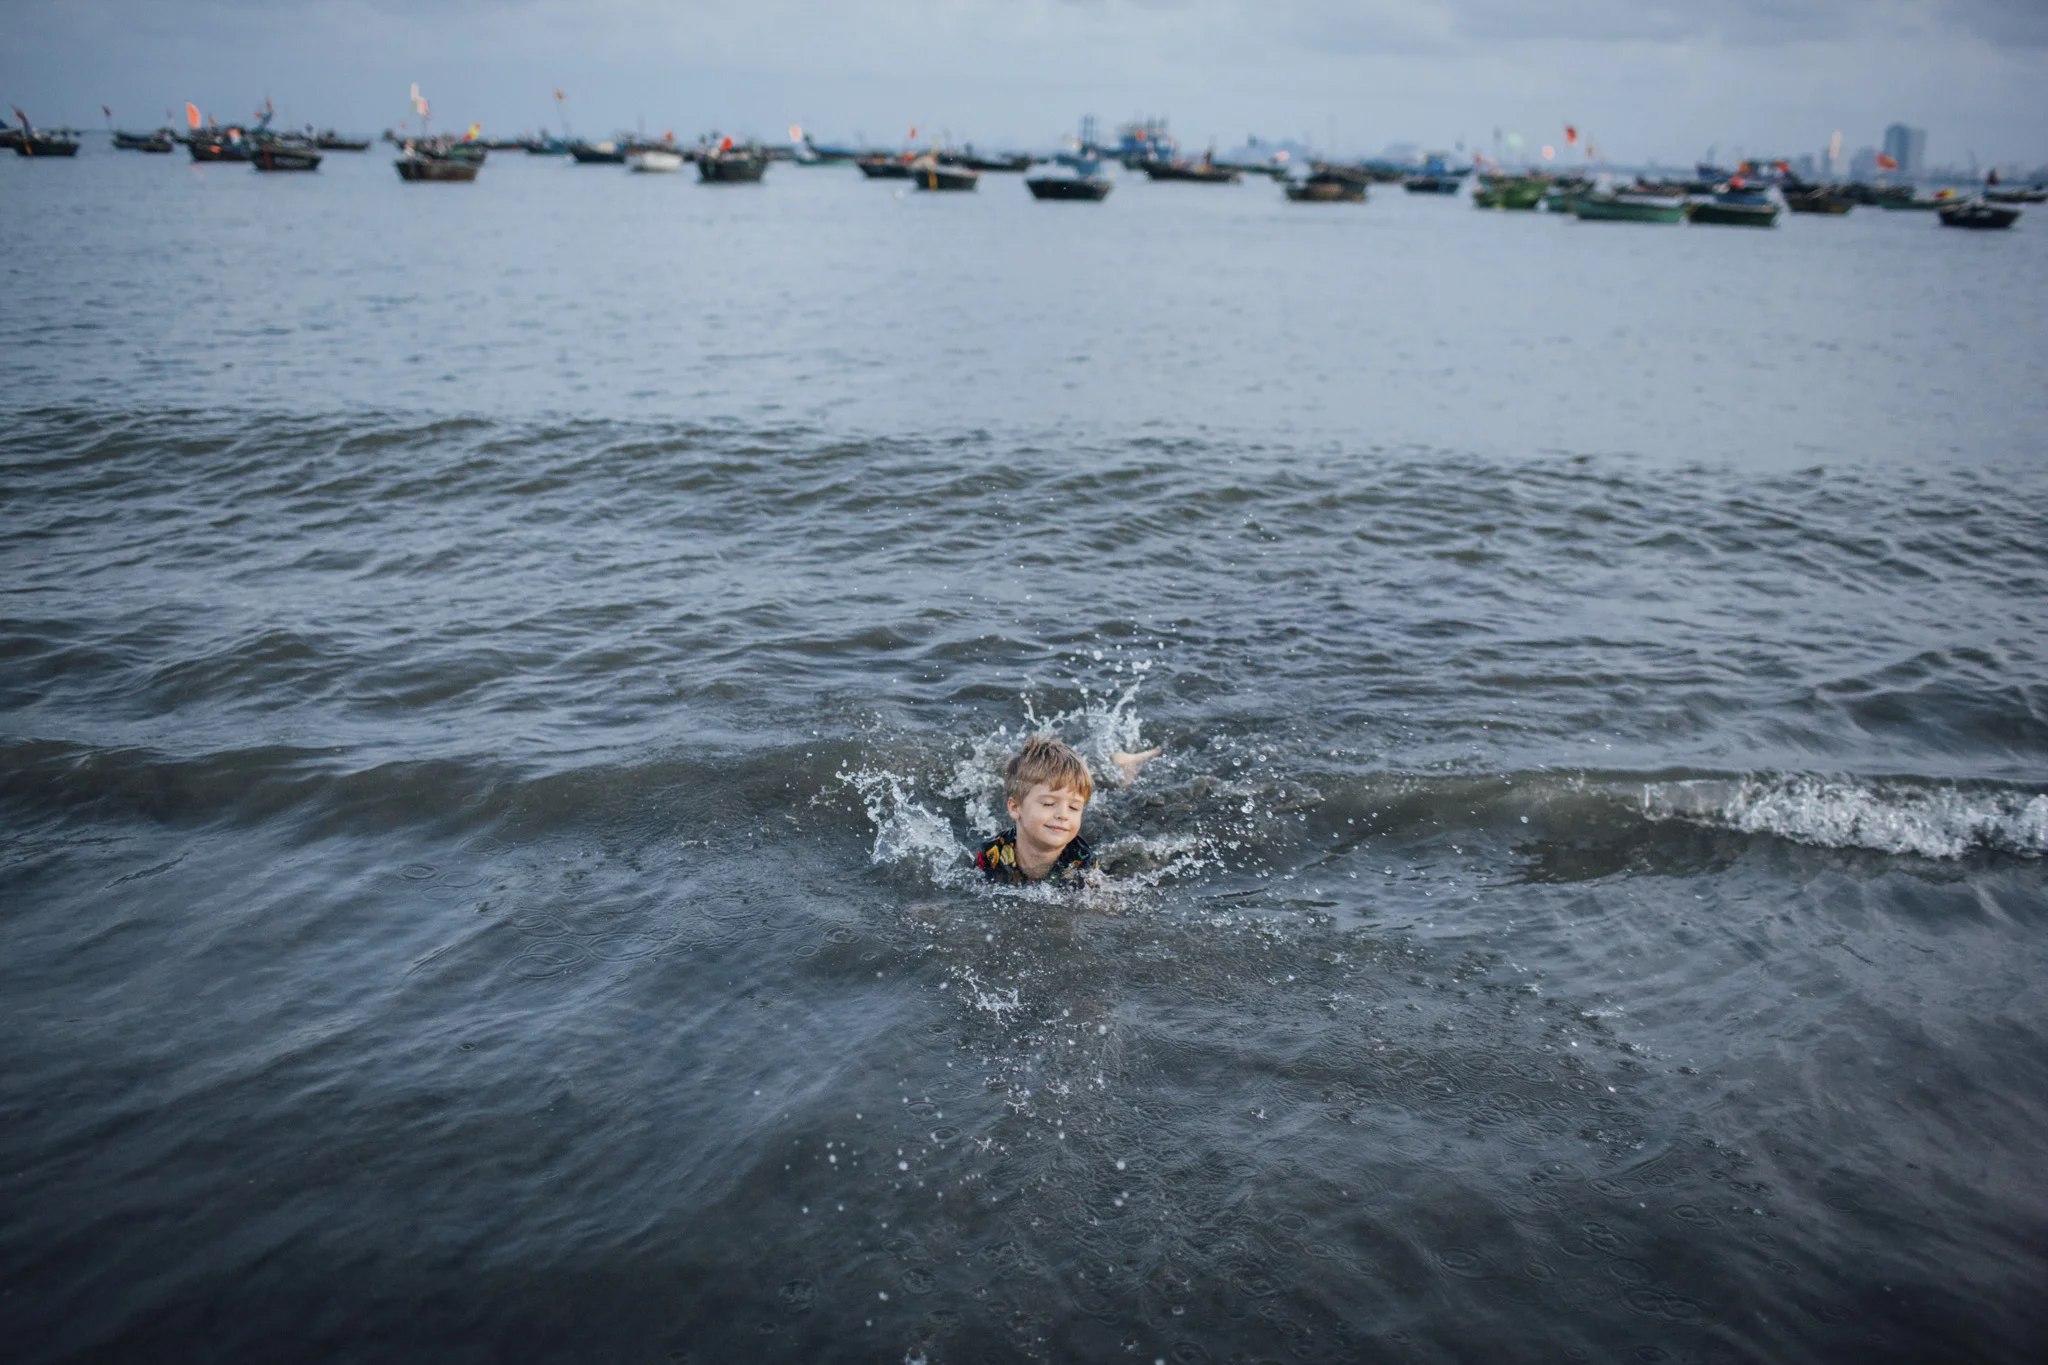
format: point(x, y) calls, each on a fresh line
point(499, 685)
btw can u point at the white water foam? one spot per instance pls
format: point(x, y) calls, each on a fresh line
point(1923, 820)
point(906, 830)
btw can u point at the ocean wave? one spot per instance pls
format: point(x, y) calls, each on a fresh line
point(1895, 815)
point(918, 805)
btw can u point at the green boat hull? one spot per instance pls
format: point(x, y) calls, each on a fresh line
point(1510, 194)
point(1593, 209)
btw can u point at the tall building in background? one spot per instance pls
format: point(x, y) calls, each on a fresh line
point(1908, 147)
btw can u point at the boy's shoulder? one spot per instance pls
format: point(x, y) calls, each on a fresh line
point(997, 860)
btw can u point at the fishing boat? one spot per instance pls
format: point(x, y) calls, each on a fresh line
point(331, 141)
point(2036, 195)
point(1737, 205)
point(434, 164)
point(285, 156)
point(927, 174)
point(1827, 199)
point(1203, 172)
point(1358, 173)
point(731, 164)
point(1087, 184)
point(1142, 143)
point(1628, 206)
point(1975, 213)
point(45, 143)
point(1326, 188)
point(1558, 198)
point(654, 161)
point(967, 161)
point(881, 166)
point(158, 141)
point(219, 144)
point(1517, 192)
point(1437, 176)
point(1370, 172)
point(598, 153)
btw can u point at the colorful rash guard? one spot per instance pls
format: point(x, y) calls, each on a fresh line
point(998, 861)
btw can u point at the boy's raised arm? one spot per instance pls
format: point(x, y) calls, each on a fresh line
point(1128, 764)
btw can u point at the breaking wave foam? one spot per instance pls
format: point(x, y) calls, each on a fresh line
point(1885, 816)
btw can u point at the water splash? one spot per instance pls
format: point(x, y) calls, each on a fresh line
point(906, 830)
point(1886, 816)
point(1000, 1001)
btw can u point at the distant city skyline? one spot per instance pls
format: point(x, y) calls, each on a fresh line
point(1651, 80)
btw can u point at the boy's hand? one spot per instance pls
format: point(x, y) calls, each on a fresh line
point(1129, 764)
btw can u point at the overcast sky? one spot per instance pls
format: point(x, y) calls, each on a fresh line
point(1663, 79)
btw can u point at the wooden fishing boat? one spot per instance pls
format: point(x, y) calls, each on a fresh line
point(598, 153)
point(1086, 188)
point(273, 156)
point(219, 144)
point(331, 141)
point(727, 164)
point(927, 174)
point(1628, 207)
point(1203, 172)
point(884, 167)
point(158, 141)
point(1516, 192)
point(1975, 213)
point(1818, 199)
point(1737, 206)
point(45, 144)
point(1338, 170)
point(28, 140)
point(432, 166)
point(2020, 196)
point(968, 161)
point(1325, 188)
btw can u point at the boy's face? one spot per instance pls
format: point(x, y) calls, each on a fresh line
point(1048, 817)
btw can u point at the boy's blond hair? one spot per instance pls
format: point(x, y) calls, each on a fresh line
point(1045, 760)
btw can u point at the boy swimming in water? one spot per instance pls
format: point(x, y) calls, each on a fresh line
point(1046, 787)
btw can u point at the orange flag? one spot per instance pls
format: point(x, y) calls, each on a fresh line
point(192, 114)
